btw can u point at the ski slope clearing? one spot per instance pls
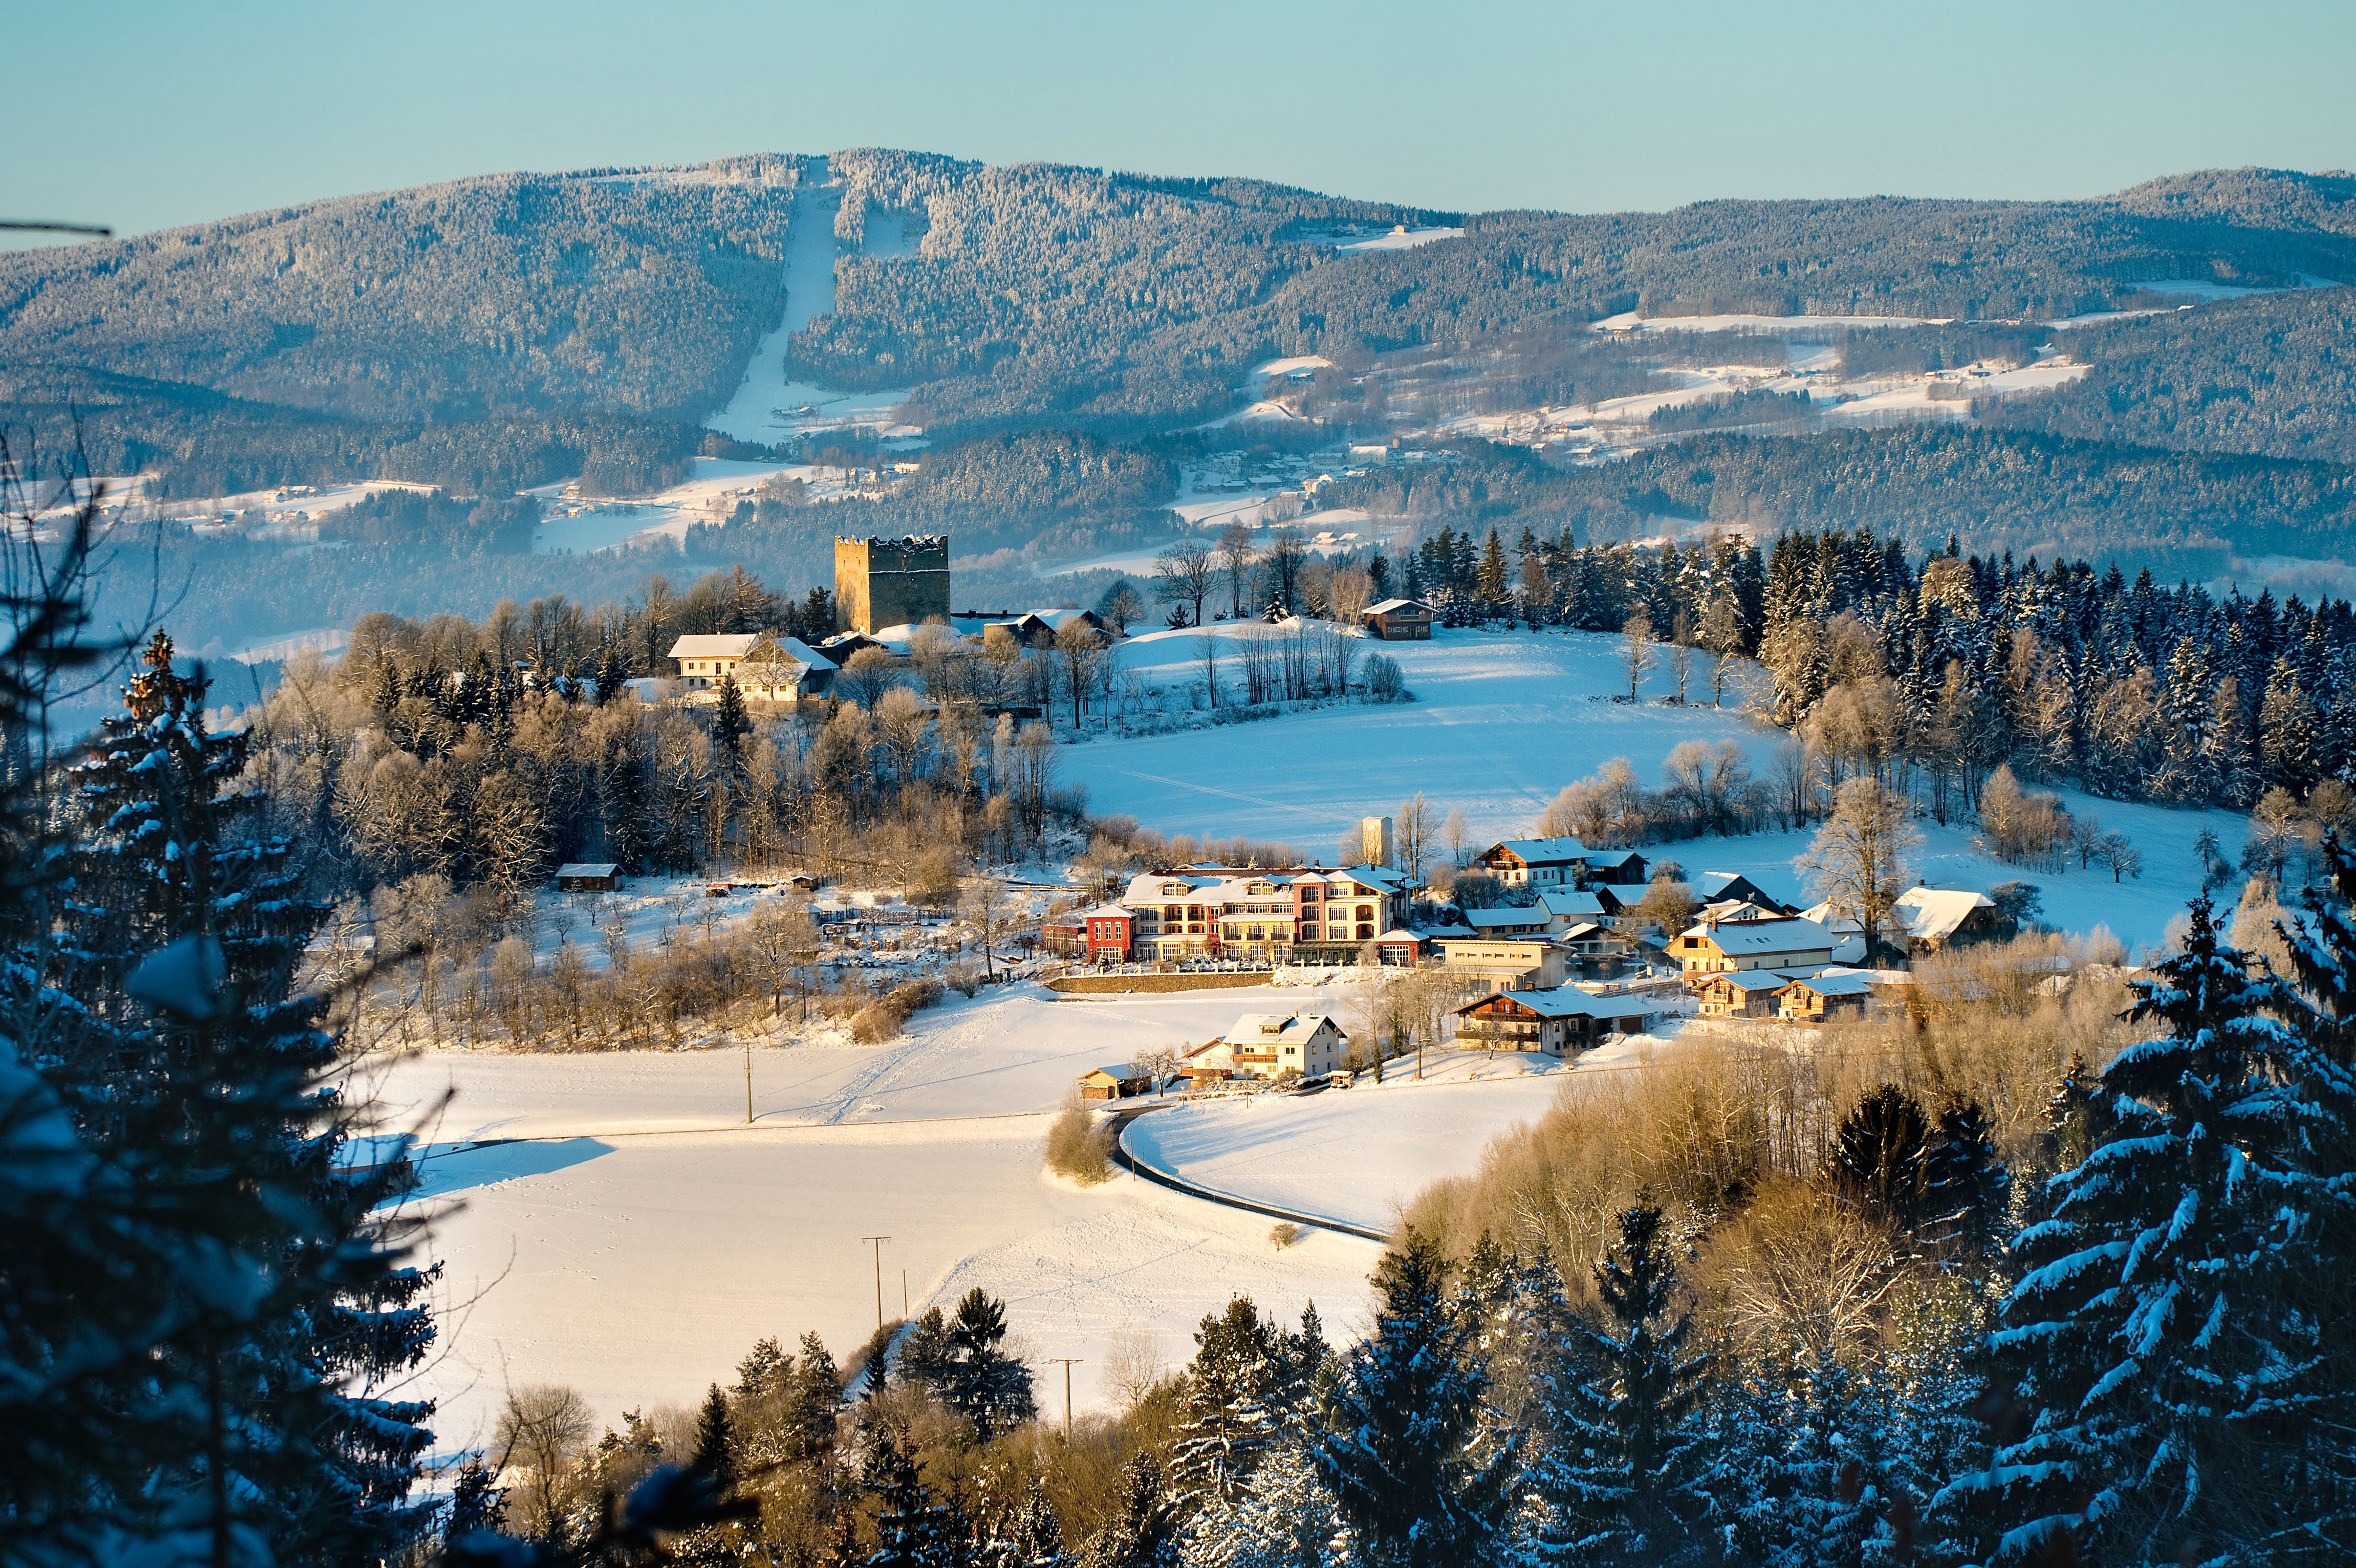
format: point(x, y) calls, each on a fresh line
point(638, 1238)
point(1500, 723)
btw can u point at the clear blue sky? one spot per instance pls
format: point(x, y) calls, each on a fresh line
point(155, 114)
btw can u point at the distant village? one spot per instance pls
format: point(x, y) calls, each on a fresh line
point(1584, 959)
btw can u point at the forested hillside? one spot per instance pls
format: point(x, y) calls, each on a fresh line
point(2275, 374)
point(601, 290)
point(1110, 302)
point(2002, 489)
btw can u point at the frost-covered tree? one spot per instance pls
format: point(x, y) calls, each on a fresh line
point(1417, 1468)
point(1226, 1421)
point(1626, 1481)
point(1144, 1534)
point(1283, 1517)
point(2150, 1328)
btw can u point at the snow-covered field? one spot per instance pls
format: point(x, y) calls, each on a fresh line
point(641, 1238)
point(1501, 721)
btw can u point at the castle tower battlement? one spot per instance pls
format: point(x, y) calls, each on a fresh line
point(890, 583)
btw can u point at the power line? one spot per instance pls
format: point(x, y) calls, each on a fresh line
point(35, 227)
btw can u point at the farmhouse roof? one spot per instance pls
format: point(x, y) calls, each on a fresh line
point(1387, 605)
point(1850, 983)
point(585, 868)
point(1544, 851)
point(1932, 914)
point(713, 645)
point(1572, 902)
point(1483, 919)
point(1747, 938)
point(1565, 1002)
point(1255, 1027)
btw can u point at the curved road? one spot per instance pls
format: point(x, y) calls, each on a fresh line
point(1176, 1183)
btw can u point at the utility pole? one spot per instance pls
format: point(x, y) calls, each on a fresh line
point(878, 1243)
point(1067, 1362)
point(903, 1294)
point(748, 1081)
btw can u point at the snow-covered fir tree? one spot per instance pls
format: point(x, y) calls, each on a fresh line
point(2149, 1326)
point(1417, 1471)
point(1627, 1477)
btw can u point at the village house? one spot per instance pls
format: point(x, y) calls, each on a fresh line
point(1568, 907)
point(1937, 917)
point(1822, 996)
point(1269, 1045)
point(588, 877)
point(1106, 931)
point(1553, 1020)
point(1543, 863)
point(1785, 942)
point(1400, 620)
point(768, 667)
point(1510, 963)
point(1741, 993)
point(1118, 1080)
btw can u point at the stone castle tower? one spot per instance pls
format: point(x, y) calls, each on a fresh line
point(890, 583)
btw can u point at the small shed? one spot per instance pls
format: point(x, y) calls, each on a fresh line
point(1117, 1080)
point(587, 877)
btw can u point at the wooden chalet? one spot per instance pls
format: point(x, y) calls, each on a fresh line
point(588, 877)
point(1551, 1022)
point(1820, 997)
point(1400, 620)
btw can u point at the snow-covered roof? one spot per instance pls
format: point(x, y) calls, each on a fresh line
point(586, 869)
point(713, 645)
point(1566, 1002)
point(1714, 885)
point(1105, 912)
point(1738, 909)
point(1542, 851)
point(1118, 1071)
point(1603, 859)
point(1388, 605)
point(1399, 933)
point(1253, 1028)
point(1748, 938)
point(1850, 982)
point(1573, 902)
point(1931, 915)
point(1833, 919)
point(1487, 919)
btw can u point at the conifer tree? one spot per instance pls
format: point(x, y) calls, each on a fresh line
point(1413, 1462)
point(1225, 1422)
point(2148, 1325)
point(1628, 1479)
point(913, 1528)
point(1145, 1532)
point(185, 937)
point(1878, 1153)
point(730, 724)
point(1965, 1184)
